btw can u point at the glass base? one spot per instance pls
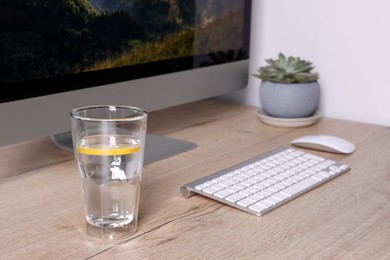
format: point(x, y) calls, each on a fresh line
point(110, 233)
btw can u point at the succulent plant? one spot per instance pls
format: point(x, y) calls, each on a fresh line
point(287, 70)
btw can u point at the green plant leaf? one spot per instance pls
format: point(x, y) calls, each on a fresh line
point(287, 70)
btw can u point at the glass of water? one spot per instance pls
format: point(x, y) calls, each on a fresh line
point(108, 144)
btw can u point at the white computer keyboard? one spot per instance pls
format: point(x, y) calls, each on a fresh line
point(267, 181)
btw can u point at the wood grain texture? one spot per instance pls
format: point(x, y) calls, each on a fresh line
point(346, 218)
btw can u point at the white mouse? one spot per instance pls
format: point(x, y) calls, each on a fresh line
point(326, 143)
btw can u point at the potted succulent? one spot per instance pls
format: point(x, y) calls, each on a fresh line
point(288, 88)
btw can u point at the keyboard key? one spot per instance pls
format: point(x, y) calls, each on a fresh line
point(271, 200)
point(265, 204)
point(245, 202)
point(299, 187)
point(223, 193)
point(209, 190)
point(258, 208)
point(280, 196)
point(235, 197)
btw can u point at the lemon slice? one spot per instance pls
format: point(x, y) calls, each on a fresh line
point(108, 151)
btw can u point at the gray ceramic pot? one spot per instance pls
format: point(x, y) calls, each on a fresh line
point(295, 100)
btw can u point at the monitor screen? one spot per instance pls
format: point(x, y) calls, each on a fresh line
point(59, 54)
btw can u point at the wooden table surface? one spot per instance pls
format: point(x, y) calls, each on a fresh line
point(347, 218)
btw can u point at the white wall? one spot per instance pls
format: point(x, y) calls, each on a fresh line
point(348, 41)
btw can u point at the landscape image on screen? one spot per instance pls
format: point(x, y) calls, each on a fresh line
point(49, 38)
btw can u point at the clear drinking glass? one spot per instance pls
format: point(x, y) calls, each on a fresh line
point(109, 146)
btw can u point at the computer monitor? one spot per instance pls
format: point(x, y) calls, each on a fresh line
point(58, 55)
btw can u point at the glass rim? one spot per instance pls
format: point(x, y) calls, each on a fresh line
point(74, 113)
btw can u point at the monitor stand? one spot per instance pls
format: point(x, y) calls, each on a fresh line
point(157, 147)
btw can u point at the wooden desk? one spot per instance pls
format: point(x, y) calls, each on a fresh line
point(346, 218)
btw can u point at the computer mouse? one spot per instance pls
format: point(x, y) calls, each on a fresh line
point(326, 143)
